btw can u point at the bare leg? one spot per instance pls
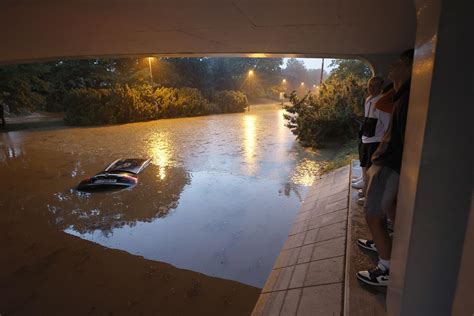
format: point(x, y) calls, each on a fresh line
point(380, 236)
point(391, 212)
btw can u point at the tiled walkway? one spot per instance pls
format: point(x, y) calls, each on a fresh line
point(308, 275)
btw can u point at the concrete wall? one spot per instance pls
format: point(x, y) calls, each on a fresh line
point(436, 177)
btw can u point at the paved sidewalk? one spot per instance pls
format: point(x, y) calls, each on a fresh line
point(308, 275)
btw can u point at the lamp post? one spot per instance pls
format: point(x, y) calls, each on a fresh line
point(322, 72)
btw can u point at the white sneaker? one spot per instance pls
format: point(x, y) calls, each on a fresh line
point(361, 201)
point(360, 193)
point(356, 179)
point(358, 184)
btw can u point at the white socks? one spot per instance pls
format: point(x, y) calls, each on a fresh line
point(384, 263)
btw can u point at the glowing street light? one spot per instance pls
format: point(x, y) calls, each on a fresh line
point(302, 84)
point(283, 81)
point(314, 86)
point(250, 73)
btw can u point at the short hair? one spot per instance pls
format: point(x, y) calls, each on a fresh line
point(377, 78)
point(407, 56)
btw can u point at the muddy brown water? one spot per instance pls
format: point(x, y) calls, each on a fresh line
point(218, 199)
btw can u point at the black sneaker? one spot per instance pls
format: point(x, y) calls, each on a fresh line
point(366, 244)
point(378, 276)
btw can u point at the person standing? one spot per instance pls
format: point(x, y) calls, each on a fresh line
point(382, 189)
point(373, 128)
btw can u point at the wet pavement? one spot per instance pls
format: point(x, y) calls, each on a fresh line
point(218, 198)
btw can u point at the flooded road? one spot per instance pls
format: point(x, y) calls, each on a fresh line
point(218, 198)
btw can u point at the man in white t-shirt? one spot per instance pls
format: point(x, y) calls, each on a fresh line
point(375, 125)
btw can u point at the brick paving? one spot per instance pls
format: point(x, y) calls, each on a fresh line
point(308, 275)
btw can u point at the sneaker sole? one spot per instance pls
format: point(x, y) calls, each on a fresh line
point(365, 247)
point(362, 279)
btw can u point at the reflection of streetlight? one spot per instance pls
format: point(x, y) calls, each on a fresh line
point(149, 66)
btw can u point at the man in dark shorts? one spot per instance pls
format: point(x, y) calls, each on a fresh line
point(384, 174)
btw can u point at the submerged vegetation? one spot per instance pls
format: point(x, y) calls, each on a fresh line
point(327, 115)
point(108, 91)
point(122, 104)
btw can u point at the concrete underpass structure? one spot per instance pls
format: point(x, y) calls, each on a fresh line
point(433, 252)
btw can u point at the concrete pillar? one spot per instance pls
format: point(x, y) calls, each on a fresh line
point(434, 199)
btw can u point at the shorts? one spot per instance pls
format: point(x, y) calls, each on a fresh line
point(366, 151)
point(381, 191)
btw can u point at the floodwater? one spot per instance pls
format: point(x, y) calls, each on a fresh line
point(219, 197)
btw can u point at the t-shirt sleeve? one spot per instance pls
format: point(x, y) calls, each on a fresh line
point(384, 119)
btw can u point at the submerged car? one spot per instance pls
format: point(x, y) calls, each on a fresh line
point(120, 174)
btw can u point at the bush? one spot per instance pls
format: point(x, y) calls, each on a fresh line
point(228, 101)
point(127, 104)
point(84, 105)
point(174, 102)
point(122, 104)
point(320, 118)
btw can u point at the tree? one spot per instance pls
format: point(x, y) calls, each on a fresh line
point(295, 73)
point(350, 67)
point(23, 86)
point(318, 119)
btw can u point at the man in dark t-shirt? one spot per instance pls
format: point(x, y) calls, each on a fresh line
point(384, 174)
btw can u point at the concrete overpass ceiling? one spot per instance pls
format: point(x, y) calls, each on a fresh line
point(35, 30)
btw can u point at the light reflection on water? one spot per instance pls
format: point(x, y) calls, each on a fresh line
point(160, 151)
point(306, 172)
point(219, 197)
point(249, 122)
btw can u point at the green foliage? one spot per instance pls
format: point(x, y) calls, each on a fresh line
point(22, 87)
point(344, 155)
point(122, 104)
point(320, 118)
point(350, 67)
point(228, 101)
point(85, 106)
point(44, 86)
point(93, 73)
point(174, 102)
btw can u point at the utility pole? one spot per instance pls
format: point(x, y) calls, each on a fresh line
point(322, 72)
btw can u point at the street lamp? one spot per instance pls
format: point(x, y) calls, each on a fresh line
point(302, 84)
point(283, 81)
point(250, 73)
